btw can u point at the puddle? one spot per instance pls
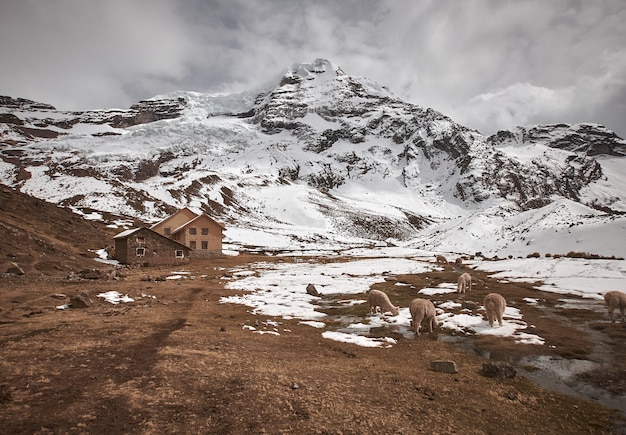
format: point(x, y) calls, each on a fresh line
point(553, 373)
point(560, 375)
point(581, 304)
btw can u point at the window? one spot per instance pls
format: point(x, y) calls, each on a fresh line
point(192, 244)
point(204, 231)
point(166, 231)
point(179, 253)
point(141, 240)
point(192, 231)
point(140, 252)
point(205, 244)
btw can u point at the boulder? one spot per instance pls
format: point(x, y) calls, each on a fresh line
point(310, 289)
point(89, 274)
point(81, 300)
point(499, 370)
point(444, 366)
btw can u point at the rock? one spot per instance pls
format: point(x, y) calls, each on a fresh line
point(310, 289)
point(59, 296)
point(500, 356)
point(112, 275)
point(444, 366)
point(15, 269)
point(470, 305)
point(89, 274)
point(81, 300)
point(5, 393)
point(499, 369)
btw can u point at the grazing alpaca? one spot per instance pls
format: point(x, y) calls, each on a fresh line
point(422, 311)
point(464, 283)
point(458, 263)
point(441, 259)
point(494, 306)
point(615, 300)
point(376, 298)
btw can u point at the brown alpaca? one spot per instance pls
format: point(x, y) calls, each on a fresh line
point(615, 300)
point(464, 283)
point(494, 306)
point(441, 259)
point(422, 311)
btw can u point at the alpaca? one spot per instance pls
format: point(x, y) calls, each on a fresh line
point(441, 259)
point(494, 306)
point(615, 300)
point(422, 311)
point(464, 283)
point(376, 298)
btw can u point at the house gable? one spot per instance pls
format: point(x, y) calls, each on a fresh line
point(167, 226)
point(202, 234)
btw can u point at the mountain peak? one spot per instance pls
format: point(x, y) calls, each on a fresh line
point(319, 69)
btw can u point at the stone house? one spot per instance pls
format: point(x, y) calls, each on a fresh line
point(146, 247)
point(201, 233)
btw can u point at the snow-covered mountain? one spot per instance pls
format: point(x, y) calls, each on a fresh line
point(325, 160)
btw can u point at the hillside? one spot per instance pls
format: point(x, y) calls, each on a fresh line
point(46, 240)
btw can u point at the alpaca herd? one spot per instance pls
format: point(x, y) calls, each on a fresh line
point(423, 311)
point(423, 314)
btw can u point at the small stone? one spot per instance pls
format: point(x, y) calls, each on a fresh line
point(15, 269)
point(295, 386)
point(444, 366)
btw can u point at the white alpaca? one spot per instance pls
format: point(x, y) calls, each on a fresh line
point(376, 298)
point(494, 306)
point(422, 311)
point(464, 283)
point(615, 300)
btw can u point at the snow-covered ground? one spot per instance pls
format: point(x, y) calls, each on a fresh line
point(278, 290)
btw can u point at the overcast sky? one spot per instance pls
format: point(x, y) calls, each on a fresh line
point(487, 64)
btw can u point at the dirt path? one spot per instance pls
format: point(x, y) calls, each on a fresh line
point(182, 362)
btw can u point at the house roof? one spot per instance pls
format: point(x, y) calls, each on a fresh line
point(127, 233)
point(221, 225)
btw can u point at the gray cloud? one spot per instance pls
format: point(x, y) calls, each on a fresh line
point(489, 64)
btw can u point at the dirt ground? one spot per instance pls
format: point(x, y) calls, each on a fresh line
point(178, 361)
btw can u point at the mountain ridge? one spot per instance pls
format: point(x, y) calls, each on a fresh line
point(359, 162)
